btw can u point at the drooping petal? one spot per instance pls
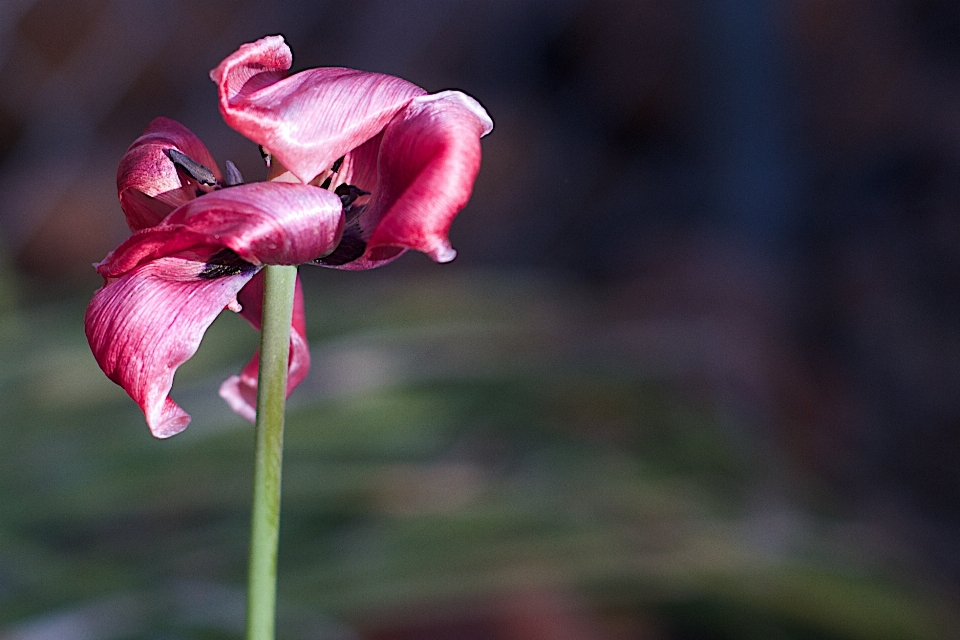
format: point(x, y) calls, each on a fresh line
point(240, 391)
point(144, 325)
point(308, 119)
point(428, 161)
point(262, 222)
point(148, 182)
point(167, 283)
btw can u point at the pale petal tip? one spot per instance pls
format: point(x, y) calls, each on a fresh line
point(172, 421)
point(232, 393)
point(443, 253)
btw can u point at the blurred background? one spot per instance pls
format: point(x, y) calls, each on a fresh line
point(695, 373)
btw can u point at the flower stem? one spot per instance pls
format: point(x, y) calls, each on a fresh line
point(278, 291)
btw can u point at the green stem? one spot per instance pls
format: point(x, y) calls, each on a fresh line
point(278, 290)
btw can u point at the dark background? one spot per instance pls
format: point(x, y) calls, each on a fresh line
point(745, 210)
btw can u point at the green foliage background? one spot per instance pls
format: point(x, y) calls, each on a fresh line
point(462, 438)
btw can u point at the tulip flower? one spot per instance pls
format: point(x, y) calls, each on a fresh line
point(362, 167)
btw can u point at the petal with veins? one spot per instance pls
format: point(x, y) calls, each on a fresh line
point(144, 325)
point(309, 119)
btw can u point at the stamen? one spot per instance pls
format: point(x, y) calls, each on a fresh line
point(234, 177)
point(334, 169)
point(192, 168)
point(351, 247)
point(225, 263)
point(348, 193)
point(264, 155)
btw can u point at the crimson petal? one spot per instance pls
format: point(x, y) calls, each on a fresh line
point(148, 183)
point(308, 119)
point(240, 392)
point(144, 325)
point(428, 161)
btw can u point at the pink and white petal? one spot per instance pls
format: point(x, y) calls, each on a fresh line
point(148, 183)
point(429, 159)
point(240, 392)
point(143, 326)
point(308, 119)
point(359, 166)
point(262, 222)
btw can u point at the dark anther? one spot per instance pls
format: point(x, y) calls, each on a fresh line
point(336, 167)
point(350, 248)
point(233, 177)
point(348, 193)
point(192, 168)
point(225, 263)
point(352, 245)
point(265, 156)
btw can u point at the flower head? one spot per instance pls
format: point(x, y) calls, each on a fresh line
point(362, 167)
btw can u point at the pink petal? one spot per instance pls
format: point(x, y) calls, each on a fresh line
point(144, 325)
point(240, 392)
point(428, 161)
point(308, 119)
point(148, 183)
point(262, 222)
point(359, 166)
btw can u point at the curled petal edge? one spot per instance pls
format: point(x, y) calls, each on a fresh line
point(148, 183)
point(428, 161)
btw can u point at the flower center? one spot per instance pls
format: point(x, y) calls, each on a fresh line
point(227, 263)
